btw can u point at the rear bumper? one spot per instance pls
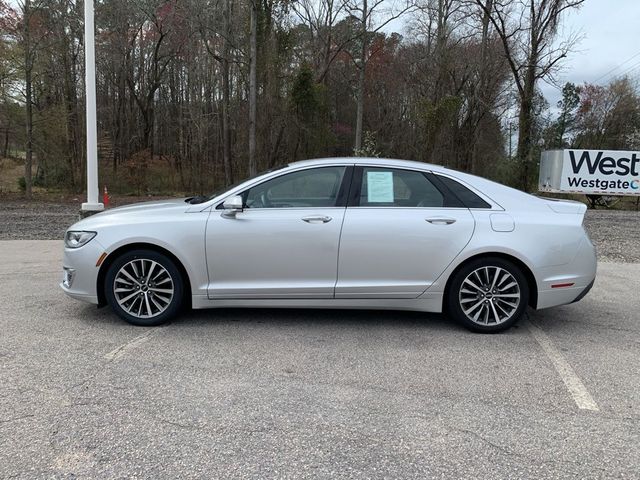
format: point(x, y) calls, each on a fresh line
point(564, 296)
point(580, 274)
point(584, 292)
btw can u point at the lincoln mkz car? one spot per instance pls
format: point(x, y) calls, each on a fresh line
point(344, 233)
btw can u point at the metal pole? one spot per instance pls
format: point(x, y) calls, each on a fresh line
point(92, 205)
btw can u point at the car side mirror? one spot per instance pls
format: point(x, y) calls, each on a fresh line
point(232, 206)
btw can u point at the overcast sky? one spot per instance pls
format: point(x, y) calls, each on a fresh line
point(610, 29)
point(611, 37)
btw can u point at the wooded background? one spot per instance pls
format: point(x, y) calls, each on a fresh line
point(197, 94)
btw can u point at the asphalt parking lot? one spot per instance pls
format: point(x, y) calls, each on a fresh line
point(313, 394)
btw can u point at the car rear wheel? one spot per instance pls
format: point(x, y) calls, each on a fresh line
point(144, 288)
point(488, 295)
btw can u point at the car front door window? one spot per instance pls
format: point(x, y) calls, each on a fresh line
point(312, 188)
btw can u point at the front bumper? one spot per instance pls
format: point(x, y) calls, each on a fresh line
point(80, 264)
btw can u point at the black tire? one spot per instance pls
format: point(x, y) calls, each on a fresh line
point(163, 306)
point(486, 304)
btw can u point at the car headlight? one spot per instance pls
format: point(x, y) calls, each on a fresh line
point(78, 239)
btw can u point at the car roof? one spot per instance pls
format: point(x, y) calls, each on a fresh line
point(370, 161)
point(499, 195)
point(496, 193)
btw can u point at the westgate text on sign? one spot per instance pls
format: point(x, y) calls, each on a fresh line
point(603, 172)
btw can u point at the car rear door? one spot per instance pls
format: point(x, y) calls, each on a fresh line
point(401, 230)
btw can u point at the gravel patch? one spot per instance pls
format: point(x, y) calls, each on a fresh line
point(45, 220)
point(36, 221)
point(616, 234)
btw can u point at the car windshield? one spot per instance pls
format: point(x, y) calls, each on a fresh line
point(221, 190)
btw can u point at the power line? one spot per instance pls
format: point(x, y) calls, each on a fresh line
point(616, 68)
point(632, 72)
point(629, 70)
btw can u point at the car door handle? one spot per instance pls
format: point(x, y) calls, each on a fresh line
point(316, 219)
point(440, 220)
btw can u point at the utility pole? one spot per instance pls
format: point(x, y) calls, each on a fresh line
point(92, 204)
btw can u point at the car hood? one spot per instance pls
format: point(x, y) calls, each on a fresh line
point(148, 206)
point(134, 212)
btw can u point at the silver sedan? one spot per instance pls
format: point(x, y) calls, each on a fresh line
point(361, 233)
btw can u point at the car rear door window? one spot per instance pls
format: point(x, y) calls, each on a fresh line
point(388, 187)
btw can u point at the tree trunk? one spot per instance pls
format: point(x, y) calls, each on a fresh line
point(5, 150)
point(441, 53)
point(120, 153)
point(149, 116)
point(488, 7)
point(253, 167)
point(482, 97)
point(28, 65)
point(524, 141)
point(525, 126)
point(361, 80)
point(71, 104)
point(226, 91)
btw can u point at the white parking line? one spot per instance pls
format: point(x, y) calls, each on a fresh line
point(131, 344)
point(576, 388)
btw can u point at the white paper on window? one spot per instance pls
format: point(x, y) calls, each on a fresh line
point(380, 187)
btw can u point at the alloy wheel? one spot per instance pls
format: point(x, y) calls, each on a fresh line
point(489, 295)
point(143, 288)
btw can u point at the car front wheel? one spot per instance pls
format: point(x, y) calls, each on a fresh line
point(144, 288)
point(488, 295)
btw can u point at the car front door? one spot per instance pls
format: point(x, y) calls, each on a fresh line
point(400, 233)
point(284, 244)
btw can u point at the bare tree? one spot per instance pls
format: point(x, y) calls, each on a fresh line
point(29, 59)
point(223, 57)
point(528, 31)
point(320, 17)
point(30, 36)
point(367, 13)
point(226, 93)
point(253, 86)
point(181, 85)
point(153, 32)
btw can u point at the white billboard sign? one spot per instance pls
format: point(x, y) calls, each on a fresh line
point(599, 172)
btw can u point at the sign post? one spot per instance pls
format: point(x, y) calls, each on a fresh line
point(92, 205)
